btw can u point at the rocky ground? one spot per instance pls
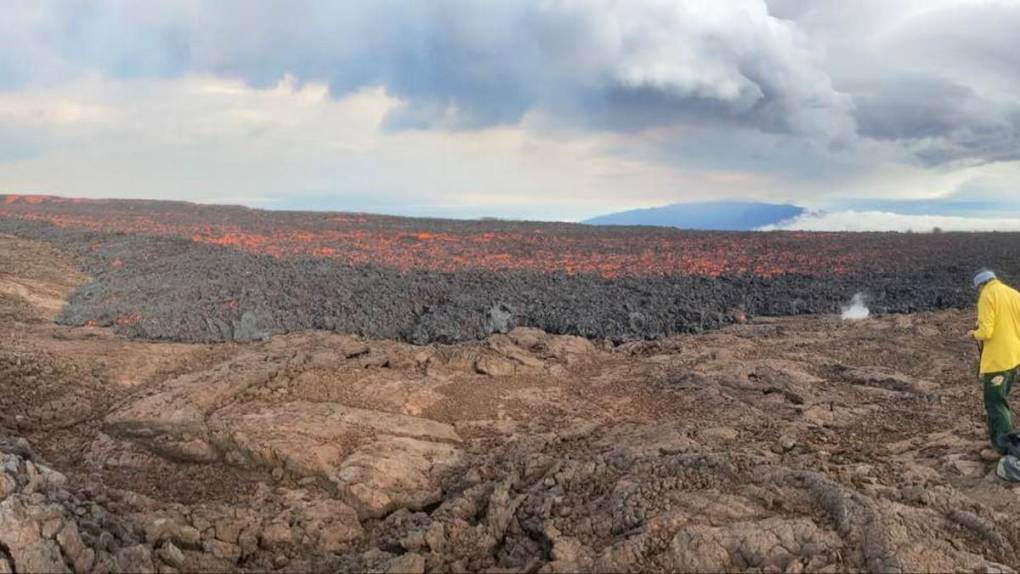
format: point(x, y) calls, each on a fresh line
point(779, 445)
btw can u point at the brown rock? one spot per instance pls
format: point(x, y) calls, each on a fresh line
point(171, 554)
point(81, 557)
point(194, 450)
point(351, 348)
point(413, 541)
point(787, 442)
point(375, 360)
point(223, 550)
point(201, 523)
point(566, 549)
point(164, 528)
point(105, 562)
point(410, 563)
point(527, 337)
point(277, 535)
point(248, 540)
point(228, 529)
point(311, 439)
point(435, 537)
point(21, 536)
point(332, 524)
point(888, 379)
point(200, 561)
point(336, 536)
point(569, 348)
point(761, 544)
point(990, 455)
point(51, 527)
point(325, 360)
point(968, 468)
point(8, 485)
point(394, 472)
point(723, 434)
point(503, 345)
point(495, 366)
point(137, 558)
point(422, 358)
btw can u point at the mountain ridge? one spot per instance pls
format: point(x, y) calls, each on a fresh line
point(711, 215)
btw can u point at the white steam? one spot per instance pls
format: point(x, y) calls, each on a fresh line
point(857, 310)
point(884, 221)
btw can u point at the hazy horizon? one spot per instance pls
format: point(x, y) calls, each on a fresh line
point(542, 110)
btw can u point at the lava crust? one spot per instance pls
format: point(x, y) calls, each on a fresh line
point(170, 270)
point(802, 444)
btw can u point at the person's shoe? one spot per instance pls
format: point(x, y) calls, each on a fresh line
point(1008, 468)
point(1011, 442)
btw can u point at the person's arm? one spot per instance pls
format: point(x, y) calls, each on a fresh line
point(986, 318)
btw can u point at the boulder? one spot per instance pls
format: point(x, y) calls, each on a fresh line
point(137, 558)
point(81, 557)
point(410, 563)
point(332, 524)
point(222, 550)
point(394, 472)
point(276, 536)
point(21, 537)
point(312, 439)
point(495, 366)
point(171, 555)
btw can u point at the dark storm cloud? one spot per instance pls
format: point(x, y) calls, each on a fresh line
point(467, 64)
point(939, 119)
point(907, 108)
point(935, 80)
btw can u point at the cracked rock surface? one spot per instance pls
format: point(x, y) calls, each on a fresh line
point(780, 445)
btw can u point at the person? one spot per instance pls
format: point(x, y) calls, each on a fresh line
point(998, 331)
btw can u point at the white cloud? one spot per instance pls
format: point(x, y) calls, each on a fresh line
point(520, 108)
point(489, 63)
point(208, 139)
point(883, 221)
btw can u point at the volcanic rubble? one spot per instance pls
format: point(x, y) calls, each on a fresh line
point(170, 288)
point(773, 445)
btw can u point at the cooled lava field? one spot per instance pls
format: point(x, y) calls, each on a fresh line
point(452, 398)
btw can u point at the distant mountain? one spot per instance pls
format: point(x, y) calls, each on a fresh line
point(717, 215)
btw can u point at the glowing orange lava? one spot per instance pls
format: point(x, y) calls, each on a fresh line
point(443, 245)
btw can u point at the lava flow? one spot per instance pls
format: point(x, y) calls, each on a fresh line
point(445, 245)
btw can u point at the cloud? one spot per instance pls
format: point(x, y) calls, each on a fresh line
point(933, 78)
point(203, 138)
point(465, 64)
point(803, 101)
point(940, 121)
point(885, 221)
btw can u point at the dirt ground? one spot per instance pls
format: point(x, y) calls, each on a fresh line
point(783, 445)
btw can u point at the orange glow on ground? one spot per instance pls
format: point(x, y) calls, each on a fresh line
point(452, 246)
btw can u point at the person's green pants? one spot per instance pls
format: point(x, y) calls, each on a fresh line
point(1000, 417)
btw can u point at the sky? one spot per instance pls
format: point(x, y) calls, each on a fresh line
point(537, 109)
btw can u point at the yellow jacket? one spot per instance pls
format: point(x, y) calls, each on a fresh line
point(999, 327)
